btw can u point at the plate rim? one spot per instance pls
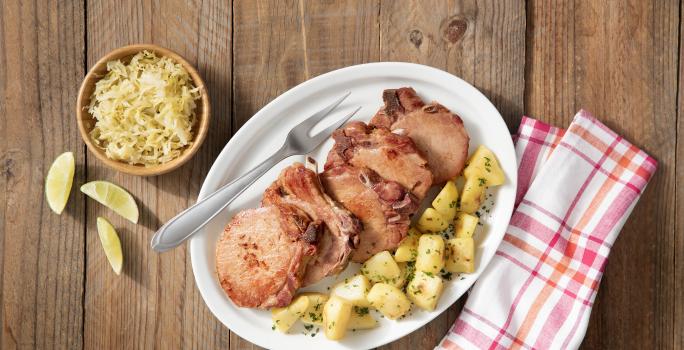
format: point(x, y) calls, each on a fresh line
point(404, 69)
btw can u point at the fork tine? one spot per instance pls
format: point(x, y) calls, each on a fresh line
point(326, 133)
point(318, 116)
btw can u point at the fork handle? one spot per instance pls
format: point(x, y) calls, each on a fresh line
point(191, 220)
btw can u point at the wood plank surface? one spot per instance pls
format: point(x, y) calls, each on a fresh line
point(619, 61)
point(41, 253)
point(480, 41)
point(154, 303)
point(678, 307)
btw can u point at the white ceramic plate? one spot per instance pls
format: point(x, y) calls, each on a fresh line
point(266, 131)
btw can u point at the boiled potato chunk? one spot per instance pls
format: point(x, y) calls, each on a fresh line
point(473, 195)
point(432, 221)
point(353, 290)
point(465, 225)
point(381, 267)
point(361, 319)
point(314, 313)
point(430, 254)
point(460, 255)
point(408, 248)
point(424, 290)
point(446, 201)
point(336, 315)
point(483, 164)
point(284, 317)
point(402, 277)
point(389, 300)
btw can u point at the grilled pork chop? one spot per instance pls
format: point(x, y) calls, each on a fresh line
point(301, 187)
point(393, 157)
point(263, 253)
point(382, 206)
point(437, 132)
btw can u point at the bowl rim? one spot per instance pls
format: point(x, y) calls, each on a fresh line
point(202, 122)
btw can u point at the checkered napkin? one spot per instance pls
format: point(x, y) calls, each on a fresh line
point(576, 189)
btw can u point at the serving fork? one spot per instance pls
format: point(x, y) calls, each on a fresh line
point(298, 142)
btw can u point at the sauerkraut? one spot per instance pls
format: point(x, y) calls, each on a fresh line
point(144, 110)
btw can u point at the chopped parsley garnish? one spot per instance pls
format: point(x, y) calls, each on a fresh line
point(315, 317)
point(488, 164)
point(446, 275)
point(361, 310)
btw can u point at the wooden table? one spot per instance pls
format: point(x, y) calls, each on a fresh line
point(620, 60)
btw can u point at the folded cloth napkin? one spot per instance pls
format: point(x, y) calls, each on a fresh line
point(576, 189)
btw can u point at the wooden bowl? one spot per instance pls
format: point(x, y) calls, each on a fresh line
point(86, 122)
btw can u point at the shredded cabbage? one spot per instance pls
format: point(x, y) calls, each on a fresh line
point(145, 110)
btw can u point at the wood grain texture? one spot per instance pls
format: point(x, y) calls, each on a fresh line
point(479, 41)
point(619, 61)
point(279, 44)
point(678, 307)
point(155, 303)
point(41, 253)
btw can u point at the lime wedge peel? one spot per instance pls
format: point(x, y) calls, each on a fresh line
point(113, 197)
point(110, 243)
point(58, 182)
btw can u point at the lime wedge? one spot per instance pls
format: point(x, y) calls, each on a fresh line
point(110, 244)
point(59, 180)
point(113, 197)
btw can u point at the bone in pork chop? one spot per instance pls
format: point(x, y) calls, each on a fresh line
point(263, 253)
point(437, 132)
point(301, 187)
point(382, 206)
point(393, 157)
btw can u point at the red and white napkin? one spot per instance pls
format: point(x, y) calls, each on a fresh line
point(576, 189)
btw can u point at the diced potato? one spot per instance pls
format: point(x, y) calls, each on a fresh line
point(284, 317)
point(432, 221)
point(408, 248)
point(381, 267)
point(483, 164)
point(402, 277)
point(361, 319)
point(460, 255)
point(336, 315)
point(473, 195)
point(389, 300)
point(353, 290)
point(424, 290)
point(430, 254)
point(314, 313)
point(447, 201)
point(465, 225)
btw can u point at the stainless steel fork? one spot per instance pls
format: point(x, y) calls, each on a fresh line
point(191, 220)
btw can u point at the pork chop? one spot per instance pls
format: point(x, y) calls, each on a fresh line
point(393, 157)
point(301, 187)
point(437, 132)
point(382, 206)
point(263, 253)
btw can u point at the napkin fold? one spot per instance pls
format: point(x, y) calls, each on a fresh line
point(576, 189)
